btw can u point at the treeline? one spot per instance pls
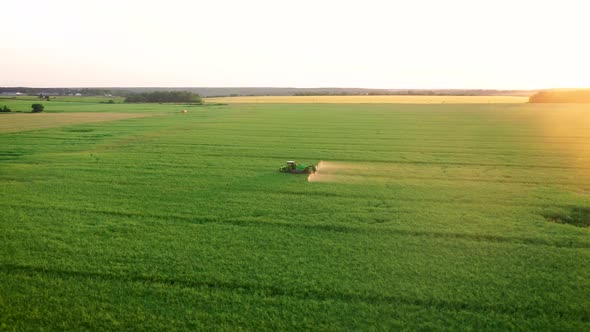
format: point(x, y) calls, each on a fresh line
point(164, 97)
point(268, 91)
point(414, 92)
point(60, 91)
point(319, 93)
point(95, 92)
point(561, 96)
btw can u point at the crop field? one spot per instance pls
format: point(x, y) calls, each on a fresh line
point(421, 217)
point(372, 99)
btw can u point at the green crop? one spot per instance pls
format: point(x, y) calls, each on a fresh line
point(446, 217)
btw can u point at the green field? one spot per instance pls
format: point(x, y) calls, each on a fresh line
point(442, 217)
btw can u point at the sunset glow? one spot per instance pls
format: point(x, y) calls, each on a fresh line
point(374, 44)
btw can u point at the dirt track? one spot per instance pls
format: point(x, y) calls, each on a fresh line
point(15, 122)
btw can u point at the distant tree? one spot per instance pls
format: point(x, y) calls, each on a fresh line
point(95, 92)
point(38, 108)
point(164, 97)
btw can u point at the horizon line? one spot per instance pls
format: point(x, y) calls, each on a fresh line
point(274, 87)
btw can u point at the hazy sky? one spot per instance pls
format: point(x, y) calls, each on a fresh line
point(516, 44)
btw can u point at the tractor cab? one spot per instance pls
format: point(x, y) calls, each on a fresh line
point(291, 164)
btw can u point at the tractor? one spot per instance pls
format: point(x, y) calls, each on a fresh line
point(294, 167)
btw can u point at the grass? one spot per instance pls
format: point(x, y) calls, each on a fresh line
point(181, 221)
point(21, 105)
point(372, 99)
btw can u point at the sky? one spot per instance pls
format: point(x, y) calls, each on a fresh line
point(471, 44)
